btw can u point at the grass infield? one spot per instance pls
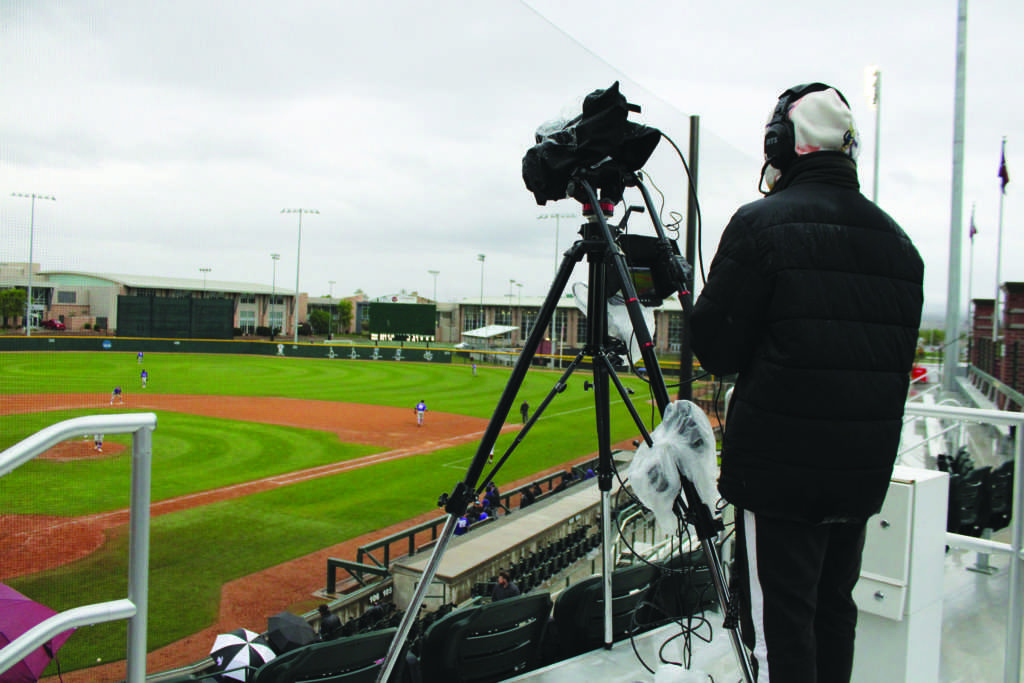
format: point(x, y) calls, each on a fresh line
point(194, 552)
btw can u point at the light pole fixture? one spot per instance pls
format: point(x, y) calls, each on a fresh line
point(481, 258)
point(273, 294)
point(558, 220)
point(204, 271)
point(31, 239)
point(298, 254)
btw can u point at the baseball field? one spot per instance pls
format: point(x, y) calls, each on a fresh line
point(257, 462)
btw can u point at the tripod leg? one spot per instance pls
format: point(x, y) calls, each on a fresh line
point(459, 499)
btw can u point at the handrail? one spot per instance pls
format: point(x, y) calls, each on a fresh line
point(134, 608)
point(1015, 608)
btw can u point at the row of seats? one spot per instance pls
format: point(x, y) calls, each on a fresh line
point(494, 641)
point(538, 566)
point(980, 498)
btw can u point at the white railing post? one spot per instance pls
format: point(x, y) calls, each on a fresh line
point(135, 607)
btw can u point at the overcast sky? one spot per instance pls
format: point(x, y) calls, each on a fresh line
point(173, 133)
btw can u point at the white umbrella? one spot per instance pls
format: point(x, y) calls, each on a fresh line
point(239, 652)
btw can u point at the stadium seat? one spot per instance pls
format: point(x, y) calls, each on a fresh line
point(1000, 488)
point(968, 501)
point(683, 587)
point(579, 610)
point(356, 659)
point(490, 642)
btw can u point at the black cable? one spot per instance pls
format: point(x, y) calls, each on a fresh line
point(696, 204)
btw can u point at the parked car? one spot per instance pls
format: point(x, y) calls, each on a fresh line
point(53, 325)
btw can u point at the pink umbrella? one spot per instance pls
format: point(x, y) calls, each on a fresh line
point(17, 615)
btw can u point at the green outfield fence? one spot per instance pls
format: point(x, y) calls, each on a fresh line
point(342, 351)
point(338, 349)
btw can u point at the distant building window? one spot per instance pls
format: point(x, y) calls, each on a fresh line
point(247, 321)
point(67, 297)
point(246, 298)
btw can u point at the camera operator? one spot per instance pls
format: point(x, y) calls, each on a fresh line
point(813, 300)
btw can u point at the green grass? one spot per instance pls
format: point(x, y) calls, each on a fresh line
point(193, 553)
point(190, 453)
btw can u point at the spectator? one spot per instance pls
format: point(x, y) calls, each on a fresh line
point(526, 498)
point(330, 624)
point(505, 588)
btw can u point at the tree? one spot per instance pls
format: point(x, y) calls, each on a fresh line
point(12, 304)
point(344, 314)
point(320, 320)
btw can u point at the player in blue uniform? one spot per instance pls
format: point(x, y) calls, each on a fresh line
point(421, 408)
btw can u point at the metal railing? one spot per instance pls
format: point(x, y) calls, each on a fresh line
point(1013, 549)
point(135, 607)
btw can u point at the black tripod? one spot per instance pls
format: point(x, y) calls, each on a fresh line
point(608, 272)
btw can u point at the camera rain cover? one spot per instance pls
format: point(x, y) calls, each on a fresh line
point(684, 443)
point(600, 132)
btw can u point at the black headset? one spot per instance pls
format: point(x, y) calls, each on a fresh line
point(779, 137)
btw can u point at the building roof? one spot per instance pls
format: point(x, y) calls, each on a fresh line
point(83, 279)
point(490, 331)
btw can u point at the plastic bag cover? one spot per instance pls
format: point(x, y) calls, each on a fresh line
point(684, 443)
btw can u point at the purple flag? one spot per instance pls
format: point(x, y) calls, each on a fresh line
point(1004, 175)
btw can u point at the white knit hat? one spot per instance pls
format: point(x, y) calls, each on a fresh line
point(822, 122)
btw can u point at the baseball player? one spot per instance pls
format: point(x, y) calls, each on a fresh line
point(421, 408)
point(116, 394)
point(145, 378)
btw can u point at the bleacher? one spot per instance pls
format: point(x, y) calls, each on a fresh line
point(980, 498)
point(492, 641)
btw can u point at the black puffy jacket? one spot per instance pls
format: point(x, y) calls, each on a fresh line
point(814, 298)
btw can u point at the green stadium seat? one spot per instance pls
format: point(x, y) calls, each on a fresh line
point(487, 643)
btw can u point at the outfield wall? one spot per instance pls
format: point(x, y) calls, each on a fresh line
point(254, 347)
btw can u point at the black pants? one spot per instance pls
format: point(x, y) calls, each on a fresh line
point(795, 581)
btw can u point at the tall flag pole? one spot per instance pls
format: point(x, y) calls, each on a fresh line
point(970, 267)
point(951, 357)
point(1004, 178)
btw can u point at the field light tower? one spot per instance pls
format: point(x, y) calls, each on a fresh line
point(273, 294)
point(298, 254)
point(558, 220)
point(204, 271)
point(31, 236)
point(437, 314)
point(481, 258)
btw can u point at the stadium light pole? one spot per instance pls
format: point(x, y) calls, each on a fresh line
point(873, 91)
point(204, 271)
point(435, 273)
point(511, 286)
point(298, 255)
point(483, 318)
point(273, 294)
point(558, 220)
point(31, 240)
point(437, 315)
point(330, 295)
point(520, 286)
